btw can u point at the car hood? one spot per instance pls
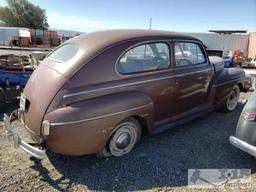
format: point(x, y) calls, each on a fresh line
point(217, 62)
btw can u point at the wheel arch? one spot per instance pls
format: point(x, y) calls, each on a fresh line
point(143, 123)
point(240, 85)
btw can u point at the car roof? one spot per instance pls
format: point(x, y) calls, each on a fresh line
point(100, 39)
point(92, 44)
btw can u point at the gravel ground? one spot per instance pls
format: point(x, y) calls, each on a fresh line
point(158, 163)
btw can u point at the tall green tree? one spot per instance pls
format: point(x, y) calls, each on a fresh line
point(21, 13)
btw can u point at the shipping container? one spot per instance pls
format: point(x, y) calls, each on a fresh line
point(32, 32)
point(39, 33)
point(46, 33)
point(36, 40)
point(53, 34)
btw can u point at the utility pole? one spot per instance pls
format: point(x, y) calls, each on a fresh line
point(150, 23)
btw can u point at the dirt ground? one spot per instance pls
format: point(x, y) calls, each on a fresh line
point(158, 163)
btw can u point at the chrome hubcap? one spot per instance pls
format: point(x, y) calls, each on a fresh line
point(233, 100)
point(123, 140)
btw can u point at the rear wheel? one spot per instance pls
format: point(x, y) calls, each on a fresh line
point(123, 140)
point(232, 100)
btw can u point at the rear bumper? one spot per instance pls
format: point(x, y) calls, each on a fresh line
point(34, 149)
point(243, 145)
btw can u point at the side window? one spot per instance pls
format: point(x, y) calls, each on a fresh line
point(147, 57)
point(187, 54)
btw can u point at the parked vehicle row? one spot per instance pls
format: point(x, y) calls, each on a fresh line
point(15, 70)
point(249, 64)
point(12, 80)
point(103, 90)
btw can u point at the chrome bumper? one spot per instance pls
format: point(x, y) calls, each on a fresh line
point(243, 145)
point(34, 151)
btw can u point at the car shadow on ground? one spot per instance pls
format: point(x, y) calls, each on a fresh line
point(8, 108)
point(159, 161)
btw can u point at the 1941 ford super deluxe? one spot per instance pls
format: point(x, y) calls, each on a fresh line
point(97, 92)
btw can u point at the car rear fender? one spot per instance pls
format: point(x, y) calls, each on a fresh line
point(126, 103)
point(85, 127)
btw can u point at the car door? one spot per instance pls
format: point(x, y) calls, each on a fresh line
point(150, 63)
point(193, 75)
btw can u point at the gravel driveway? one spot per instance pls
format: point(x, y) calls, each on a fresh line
point(158, 163)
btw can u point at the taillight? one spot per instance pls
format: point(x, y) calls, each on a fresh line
point(46, 128)
point(249, 116)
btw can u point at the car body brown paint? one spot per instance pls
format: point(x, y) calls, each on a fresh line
point(86, 98)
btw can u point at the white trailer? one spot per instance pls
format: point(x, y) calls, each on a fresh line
point(8, 34)
point(224, 42)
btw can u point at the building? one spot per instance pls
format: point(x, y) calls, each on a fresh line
point(228, 40)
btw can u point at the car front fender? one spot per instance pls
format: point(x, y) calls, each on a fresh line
point(224, 82)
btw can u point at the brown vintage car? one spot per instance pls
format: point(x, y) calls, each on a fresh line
point(98, 92)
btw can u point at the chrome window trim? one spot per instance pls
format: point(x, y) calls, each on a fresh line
point(191, 73)
point(102, 116)
point(192, 67)
point(132, 83)
point(204, 63)
point(117, 86)
point(166, 41)
point(191, 41)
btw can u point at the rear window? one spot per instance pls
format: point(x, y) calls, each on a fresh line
point(64, 53)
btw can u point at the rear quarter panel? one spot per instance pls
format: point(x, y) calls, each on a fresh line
point(92, 122)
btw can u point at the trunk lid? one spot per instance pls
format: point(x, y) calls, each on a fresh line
point(40, 90)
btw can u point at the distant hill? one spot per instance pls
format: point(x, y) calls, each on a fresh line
point(68, 33)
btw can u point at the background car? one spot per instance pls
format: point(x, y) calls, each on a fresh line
point(245, 136)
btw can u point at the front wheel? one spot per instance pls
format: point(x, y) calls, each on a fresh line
point(232, 100)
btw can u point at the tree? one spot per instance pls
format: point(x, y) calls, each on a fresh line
point(21, 13)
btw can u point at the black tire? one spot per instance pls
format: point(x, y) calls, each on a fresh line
point(232, 100)
point(131, 129)
point(2, 98)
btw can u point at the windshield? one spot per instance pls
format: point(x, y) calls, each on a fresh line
point(64, 53)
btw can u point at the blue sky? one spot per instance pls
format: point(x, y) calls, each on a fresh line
point(172, 15)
